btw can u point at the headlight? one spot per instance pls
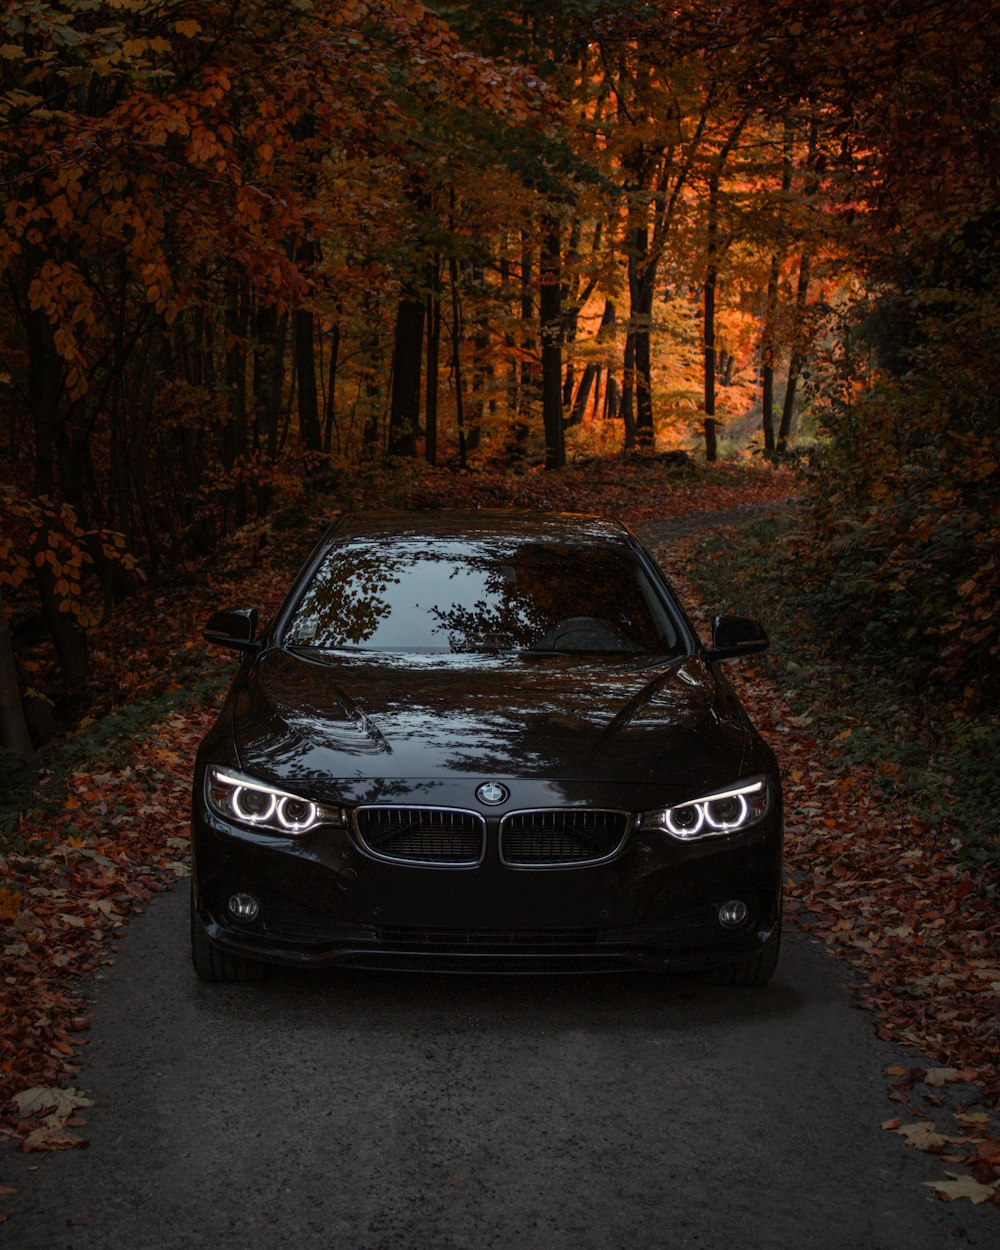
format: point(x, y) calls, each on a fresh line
point(715, 815)
point(260, 806)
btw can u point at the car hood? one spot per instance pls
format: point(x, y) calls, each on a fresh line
point(349, 718)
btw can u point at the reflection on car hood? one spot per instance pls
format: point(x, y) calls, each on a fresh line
point(356, 716)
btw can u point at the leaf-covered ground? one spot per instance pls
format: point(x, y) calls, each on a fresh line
point(893, 897)
point(108, 831)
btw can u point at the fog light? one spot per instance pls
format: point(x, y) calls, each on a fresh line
point(733, 913)
point(243, 907)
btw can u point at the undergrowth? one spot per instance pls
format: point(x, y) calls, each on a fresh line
point(861, 699)
point(195, 679)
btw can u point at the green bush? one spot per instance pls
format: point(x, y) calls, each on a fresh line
point(853, 664)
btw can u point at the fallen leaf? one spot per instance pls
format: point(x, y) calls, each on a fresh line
point(52, 1100)
point(53, 1137)
point(988, 1150)
point(944, 1076)
point(925, 1136)
point(963, 1187)
point(972, 1117)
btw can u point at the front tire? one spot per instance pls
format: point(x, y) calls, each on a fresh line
point(211, 964)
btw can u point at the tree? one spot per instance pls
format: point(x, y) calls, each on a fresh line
point(180, 191)
point(14, 736)
point(714, 249)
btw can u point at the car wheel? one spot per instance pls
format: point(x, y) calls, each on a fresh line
point(756, 970)
point(212, 964)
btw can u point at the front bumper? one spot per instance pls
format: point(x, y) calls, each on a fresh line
point(325, 902)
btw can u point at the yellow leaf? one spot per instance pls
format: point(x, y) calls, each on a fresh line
point(924, 1136)
point(72, 803)
point(964, 1187)
point(10, 903)
point(941, 1076)
point(188, 28)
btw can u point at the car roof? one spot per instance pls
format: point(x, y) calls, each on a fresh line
point(478, 524)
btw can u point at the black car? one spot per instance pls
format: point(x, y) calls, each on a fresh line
point(484, 741)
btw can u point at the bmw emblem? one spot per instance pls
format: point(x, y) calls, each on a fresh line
point(492, 793)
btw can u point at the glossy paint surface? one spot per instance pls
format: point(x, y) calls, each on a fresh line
point(597, 727)
point(355, 721)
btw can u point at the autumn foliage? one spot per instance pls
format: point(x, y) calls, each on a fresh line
point(246, 245)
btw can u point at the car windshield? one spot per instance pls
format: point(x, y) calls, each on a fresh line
point(434, 595)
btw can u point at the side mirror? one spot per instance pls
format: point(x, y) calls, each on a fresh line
point(233, 627)
point(733, 636)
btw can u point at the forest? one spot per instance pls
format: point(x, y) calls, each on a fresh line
point(379, 248)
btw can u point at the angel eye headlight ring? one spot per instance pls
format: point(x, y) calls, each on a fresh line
point(714, 815)
point(261, 806)
point(256, 806)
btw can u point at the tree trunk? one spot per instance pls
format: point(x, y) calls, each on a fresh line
point(769, 345)
point(625, 403)
point(330, 415)
point(371, 355)
point(45, 387)
point(404, 408)
point(433, 315)
point(642, 282)
point(796, 360)
point(482, 368)
point(14, 736)
point(591, 379)
point(596, 411)
point(767, 401)
point(583, 394)
point(456, 359)
point(569, 381)
point(711, 278)
point(644, 428)
point(713, 250)
point(552, 336)
point(518, 431)
point(612, 398)
point(269, 335)
point(235, 439)
point(310, 435)
point(529, 382)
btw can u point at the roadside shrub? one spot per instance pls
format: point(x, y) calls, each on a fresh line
point(857, 667)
